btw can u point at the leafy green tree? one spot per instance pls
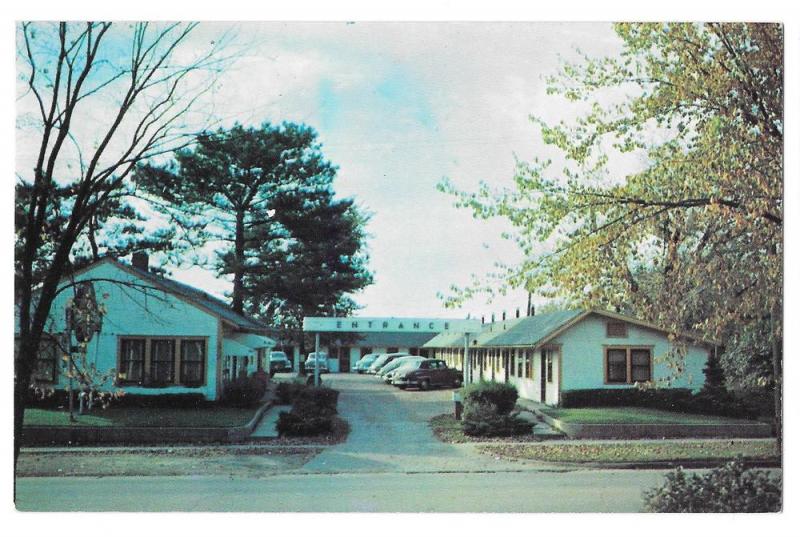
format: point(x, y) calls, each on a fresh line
point(689, 237)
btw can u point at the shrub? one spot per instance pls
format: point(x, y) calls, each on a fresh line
point(502, 396)
point(728, 489)
point(483, 419)
point(312, 413)
point(719, 402)
point(243, 392)
point(286, 392)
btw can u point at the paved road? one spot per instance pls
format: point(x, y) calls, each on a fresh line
point(391, 462)
point(502, 492)
point(389, 432)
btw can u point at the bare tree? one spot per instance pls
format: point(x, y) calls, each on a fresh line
point(94, 100)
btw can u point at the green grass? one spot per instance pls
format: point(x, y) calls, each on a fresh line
point(217, 416)
point(634, 415)
point(633, 451)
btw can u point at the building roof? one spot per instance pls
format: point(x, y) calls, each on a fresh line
point(394, 339)
point(536, 330)
point(198, 297)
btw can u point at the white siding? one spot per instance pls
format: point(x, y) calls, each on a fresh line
point(133, 311)
point(583, 350)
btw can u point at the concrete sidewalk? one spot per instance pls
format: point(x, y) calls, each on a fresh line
point(266, 427)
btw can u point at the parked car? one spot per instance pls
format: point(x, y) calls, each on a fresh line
point(279, 362)
point(382, 360)
point(388, 371)
point(363, 364)
point(312, 358)
point(430, 372)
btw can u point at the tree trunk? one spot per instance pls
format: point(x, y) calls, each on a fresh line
point(237, 304)
point(777, 371)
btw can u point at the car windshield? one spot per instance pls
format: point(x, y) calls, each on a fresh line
point(411, 364)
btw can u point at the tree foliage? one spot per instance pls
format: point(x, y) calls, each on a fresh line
point(292, 247)
point(689, 237)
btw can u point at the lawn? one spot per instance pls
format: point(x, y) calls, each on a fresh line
point(633, 451)
point(635, 415)
point(215, 416)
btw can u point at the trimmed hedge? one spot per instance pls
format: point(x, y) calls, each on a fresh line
point(244, 391)
point(487, 410)
point(286, 392)
point(59, 399)
point(502, 396)
point(313, 409)
point(718, 402)
point(728, 489)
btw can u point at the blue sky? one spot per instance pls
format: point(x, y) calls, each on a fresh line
point(399, 107)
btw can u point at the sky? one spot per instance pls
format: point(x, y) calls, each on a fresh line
point(398, 107)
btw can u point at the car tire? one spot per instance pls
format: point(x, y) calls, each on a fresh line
point(424, 385)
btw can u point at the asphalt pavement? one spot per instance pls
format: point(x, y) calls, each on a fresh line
point(391, 462)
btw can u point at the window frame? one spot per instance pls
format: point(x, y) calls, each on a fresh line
point(177, 359)
point(143, 367)
point(628, 363)
point(203, 361)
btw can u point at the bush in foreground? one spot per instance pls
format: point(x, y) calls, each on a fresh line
point(502, 396)
point(312, 413)
point(244, 392)
point(728, 489)
point(483, 419)
point(487, 411)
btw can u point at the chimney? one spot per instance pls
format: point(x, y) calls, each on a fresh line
point(140, 260)
point(517, 313)
point(533, 311)
point(504, 315)
point(483, 319)
point(530, 305)
point(492, 317)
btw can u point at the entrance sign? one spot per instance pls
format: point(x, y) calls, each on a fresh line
point(389, 324)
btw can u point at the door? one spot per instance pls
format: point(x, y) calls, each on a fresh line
point(344, 359)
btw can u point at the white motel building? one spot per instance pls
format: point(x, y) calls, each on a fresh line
point(164, 337)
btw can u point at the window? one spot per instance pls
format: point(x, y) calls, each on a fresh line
point(640, 365)
point(616, 329)
point(617, 365)
point(521, 364)
point(46, 360)
point(162, 361)
point(157, 362)
point(625, 365)
point(193, 361)
point(131, 361)
point(529, 364)
point(548, 358)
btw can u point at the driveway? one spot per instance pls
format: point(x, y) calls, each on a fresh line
point(390, 432)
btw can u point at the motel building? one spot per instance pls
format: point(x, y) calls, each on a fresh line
point(160, 336)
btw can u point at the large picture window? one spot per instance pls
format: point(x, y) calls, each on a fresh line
point(157, 362)
point(626, 365)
